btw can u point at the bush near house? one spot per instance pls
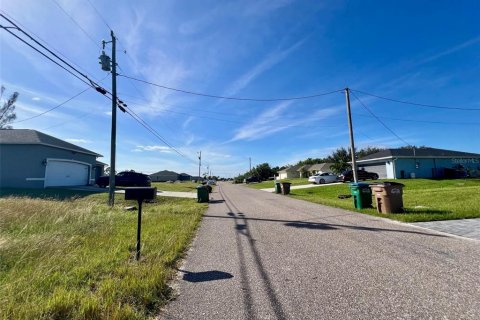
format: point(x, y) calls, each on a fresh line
point(74, 258)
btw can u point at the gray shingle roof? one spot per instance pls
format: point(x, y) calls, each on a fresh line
point(29, 136)
point(321, 167)
point(290, 169)
point(164, 172)
point(419, 152)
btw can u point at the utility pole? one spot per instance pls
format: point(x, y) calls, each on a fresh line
point(199, 163)
point(105, 62)
point(352, 144)
point(250, 160)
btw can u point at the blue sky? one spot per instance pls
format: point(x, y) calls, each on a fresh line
point(410, 50)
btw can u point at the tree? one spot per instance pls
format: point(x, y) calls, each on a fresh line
point(7, 111)
point(340, 159)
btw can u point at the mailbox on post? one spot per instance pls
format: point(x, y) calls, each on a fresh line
point(140, 194)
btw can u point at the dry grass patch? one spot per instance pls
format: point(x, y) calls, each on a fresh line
point(73, 258)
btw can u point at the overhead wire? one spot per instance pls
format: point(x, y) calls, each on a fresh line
point(379, 120)
point(78, 25)
point(415, 103)
point(231, 98)
point(44, 41)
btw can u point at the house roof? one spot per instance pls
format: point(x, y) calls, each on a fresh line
point(29, 136)
point(321, 166)
point(164, 172)
point(184, 174)
point(418, 152)
point(304, 167)
point(290, 169)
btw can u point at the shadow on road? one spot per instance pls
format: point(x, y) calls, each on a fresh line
point(205, 275)
point(324, 226)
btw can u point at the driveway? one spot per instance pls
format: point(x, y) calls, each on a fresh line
point(259, 255)
point(303, 186)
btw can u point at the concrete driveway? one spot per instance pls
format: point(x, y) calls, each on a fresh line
point(266, 256)
point(304, 186)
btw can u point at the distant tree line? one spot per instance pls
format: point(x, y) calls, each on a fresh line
point(339, 157)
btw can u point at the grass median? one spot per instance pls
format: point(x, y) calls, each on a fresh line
point(423, 199)
point(73, 258)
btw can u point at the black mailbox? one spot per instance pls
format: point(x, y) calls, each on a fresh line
point(140, 193)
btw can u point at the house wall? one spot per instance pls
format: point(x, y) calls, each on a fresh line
point(422, 167)
point(390, 167)
point(289, 175)
point(22, 166)
point(164, 177)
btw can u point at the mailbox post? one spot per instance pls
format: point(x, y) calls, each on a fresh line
point(140, 194)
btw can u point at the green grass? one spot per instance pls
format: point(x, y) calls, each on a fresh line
point(186, 186)
point(74, 259)
point(270, 183)
point(423, 199)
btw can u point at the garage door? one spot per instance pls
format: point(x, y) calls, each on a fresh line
point(66, 173)
point(380, 169)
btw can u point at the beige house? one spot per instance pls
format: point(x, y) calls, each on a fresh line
point(319, 167)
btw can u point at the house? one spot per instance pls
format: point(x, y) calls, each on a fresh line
point(420, 163)
point(319, 168)
point(32, 159)
point(290, 172)
point(164, 175)
point(184, 177)
point(303, 171)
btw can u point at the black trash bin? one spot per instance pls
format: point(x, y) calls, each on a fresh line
point(202, 194)
point(286, 187)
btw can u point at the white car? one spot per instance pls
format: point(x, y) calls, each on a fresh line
point(325, 177)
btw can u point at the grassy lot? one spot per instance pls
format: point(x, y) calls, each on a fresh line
point(423, 199)
point(270, 184)
point(186, 186)
point(74, 258)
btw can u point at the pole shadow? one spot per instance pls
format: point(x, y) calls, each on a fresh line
point(205, 275)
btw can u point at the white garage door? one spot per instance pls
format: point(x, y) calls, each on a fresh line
point(66, 173)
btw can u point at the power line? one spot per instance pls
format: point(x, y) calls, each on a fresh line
point(229, 98)
point(100, 15)
point(43, 54)
point(379, 120)
point(57, 106)
point(78, 25)
point(44, 41)
point(421, 121)
point(414, 103)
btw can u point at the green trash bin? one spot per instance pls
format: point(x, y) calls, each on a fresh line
point(278, 187)
point(362, 195)
point(202, 194)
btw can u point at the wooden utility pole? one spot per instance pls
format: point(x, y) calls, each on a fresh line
point(199, 163)
point(111, 192)
point(350, 128)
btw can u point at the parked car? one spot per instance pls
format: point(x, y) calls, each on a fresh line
point(126, 179)
point(211, 182)
point(325, 177)
point(361, 175)
point(250, 180)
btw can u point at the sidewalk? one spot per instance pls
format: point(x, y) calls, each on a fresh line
point(303, 186)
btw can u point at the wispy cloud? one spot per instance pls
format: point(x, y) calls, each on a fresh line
point(451, 50)
point(271, 60)
point(74, 140)
point(162, 149)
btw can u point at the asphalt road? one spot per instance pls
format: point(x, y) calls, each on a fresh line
point(266, 256)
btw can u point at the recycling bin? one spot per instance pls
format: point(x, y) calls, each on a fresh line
point(202, 194)
point(285, 187)
point(362, 195)
point(388, 197)
point(278, 187)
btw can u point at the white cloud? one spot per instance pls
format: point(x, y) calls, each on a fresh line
point(74, 140)
point(162, 149)
point(36, 99)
